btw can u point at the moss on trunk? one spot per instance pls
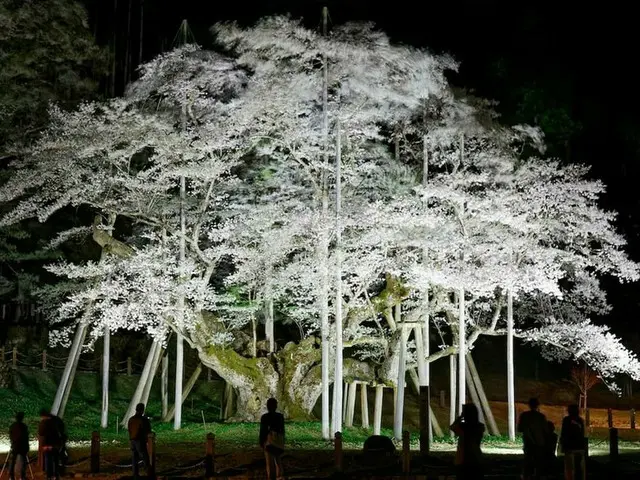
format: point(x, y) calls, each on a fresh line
point(292, 375)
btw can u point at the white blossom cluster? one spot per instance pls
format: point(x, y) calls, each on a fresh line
point(435, 193)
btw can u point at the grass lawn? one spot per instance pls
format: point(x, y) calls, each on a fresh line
point(236, 444)
point(34, 389)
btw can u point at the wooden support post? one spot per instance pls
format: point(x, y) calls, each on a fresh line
point(632, 419)
point(209, 375)
point(151, 447)
point(613, 444)
point(129, 369)
point(435, 426)
point(209, 460)
point(44, 360)
point(443, 399)
point(395, 401)
point(425, 420)
point(185, 391)
point(364, 406)
point(338, 451)
point(437, 430)
point(345, 400)
point(351, 406)
point(377, 410)
point(415, 380)
point(95, 452)
point(493, 426)
point(229, 401)
point(610, 417)
point(164, 386)
point(475, 399)
point(14, 359)
point(406, 452)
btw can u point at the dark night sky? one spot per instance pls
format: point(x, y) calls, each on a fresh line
point(581, 56)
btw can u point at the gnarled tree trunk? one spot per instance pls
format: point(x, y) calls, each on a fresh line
point(292, 375)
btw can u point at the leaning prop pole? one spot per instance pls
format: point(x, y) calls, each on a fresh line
point(72, 360)
point(146, 371)
point(103, 237)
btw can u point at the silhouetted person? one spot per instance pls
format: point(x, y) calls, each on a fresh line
point(535, 435)
point(51, 443)
point(139, 428)
point(469, 431)
point(62, 455)
point(19, 437)
point(573, 443)
point(272, 439)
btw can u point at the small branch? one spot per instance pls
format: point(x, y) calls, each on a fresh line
point(445, 352)
point(374, 316)
point(365, 341)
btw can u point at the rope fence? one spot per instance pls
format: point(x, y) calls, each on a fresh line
point(45, 361)
point(371, 461)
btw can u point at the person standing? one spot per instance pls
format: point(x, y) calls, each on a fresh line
point(50, 442)
point(533, 426)
point(19, 437)
point(139, 428)
point(272, 439)
point(61, 453)
point(469, 431)
point(573, 443)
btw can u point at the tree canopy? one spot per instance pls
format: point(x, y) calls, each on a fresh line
point(438, 198)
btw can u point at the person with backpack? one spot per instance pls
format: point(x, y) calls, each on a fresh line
point(19, 437)
point(534, 428)
point(139, 428)
point(573, 444)
point(50, 443)
point(272, 439)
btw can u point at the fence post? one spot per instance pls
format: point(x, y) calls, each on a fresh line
point(129, 366)
point(338, 451)
point(95, 452)
point(610, 417)
point(15, 357)
point(151, 446)
point(632, 418)
point(44, 360)
point(613, 444)
point(425, 424)
point(209, 465)
point(406, 452)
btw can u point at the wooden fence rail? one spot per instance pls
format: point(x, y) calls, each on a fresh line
point(46, 361)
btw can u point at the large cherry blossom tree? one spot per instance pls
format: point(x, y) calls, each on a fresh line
point(220, 165)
